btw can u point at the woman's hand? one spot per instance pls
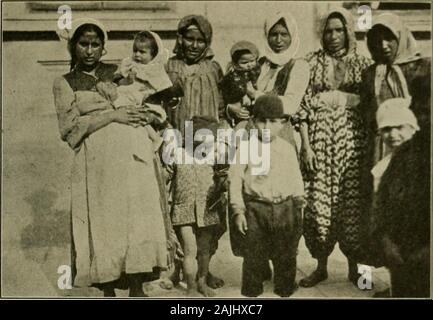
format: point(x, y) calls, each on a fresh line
point(251, 91)
point(127, 115)
point(391, 252)
point(299, 202)
point(309, 159)
point(237, 110)
point(241, 223)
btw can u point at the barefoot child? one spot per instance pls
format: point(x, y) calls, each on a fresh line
point(197, 201)
point(267, 208)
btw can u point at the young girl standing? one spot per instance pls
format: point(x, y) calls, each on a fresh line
point(195, 77)
point(197, 202)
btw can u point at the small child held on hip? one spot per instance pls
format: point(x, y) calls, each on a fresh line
point(198, 198)
point(140, 76)
point(240, 81)
point(267, 208)
point(396, 124)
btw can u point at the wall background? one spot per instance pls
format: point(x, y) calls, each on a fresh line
point(36, 163)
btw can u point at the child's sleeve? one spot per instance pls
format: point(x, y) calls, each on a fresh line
point(236, 178)
point(232, 90)
point(296, 181)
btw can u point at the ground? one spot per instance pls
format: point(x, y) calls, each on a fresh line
point(38, 276)
point(35, 229)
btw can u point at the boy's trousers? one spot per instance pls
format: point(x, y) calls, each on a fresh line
point(274, 230)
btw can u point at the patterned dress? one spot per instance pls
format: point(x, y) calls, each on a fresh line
point(196, 200)
point(337, 137)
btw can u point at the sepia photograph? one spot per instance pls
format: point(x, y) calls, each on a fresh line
point(216, 149)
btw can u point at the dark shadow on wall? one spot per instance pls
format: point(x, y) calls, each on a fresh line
point(50, 227)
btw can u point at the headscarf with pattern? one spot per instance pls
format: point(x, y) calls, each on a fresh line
point(204, 26)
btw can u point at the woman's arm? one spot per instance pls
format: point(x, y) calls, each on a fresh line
point(74, 128)
point(299, 78)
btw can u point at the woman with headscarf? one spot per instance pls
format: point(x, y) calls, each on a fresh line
point(397, 227)
point(333, 141)
point(195, 77)
point(117, 224)
point(280, 72)
point(398, 67)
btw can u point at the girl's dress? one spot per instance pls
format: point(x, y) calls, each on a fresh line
point(117, 222)
point(196, 199)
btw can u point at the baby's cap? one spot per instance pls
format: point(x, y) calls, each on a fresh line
point(244, 46)
point(395, 112)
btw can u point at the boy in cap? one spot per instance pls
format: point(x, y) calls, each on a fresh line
point(267, 208)
point(242, 74)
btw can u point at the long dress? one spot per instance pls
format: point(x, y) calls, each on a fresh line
point(337, 137)
point(117, 222)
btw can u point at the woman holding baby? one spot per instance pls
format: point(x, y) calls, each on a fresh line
point(118, 230)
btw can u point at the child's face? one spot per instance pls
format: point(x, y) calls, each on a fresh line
point(247, 61)
point(396, 136)
point(142, 52)
point(274, 126)
point(193, 44)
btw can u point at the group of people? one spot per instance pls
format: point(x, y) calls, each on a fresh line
point(349, 141)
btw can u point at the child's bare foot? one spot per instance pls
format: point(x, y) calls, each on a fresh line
point(166, 284)
point(175, 277)
point(203, 288)
point(213, 281)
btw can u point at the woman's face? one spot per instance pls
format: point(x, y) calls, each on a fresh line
point(88, 50)
point(383, 44)
point(334, 37)
point(193, 44)
point(279, 38)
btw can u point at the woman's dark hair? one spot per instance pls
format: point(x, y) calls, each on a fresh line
point(339, 16)
point(146, 36)
point(77, 34)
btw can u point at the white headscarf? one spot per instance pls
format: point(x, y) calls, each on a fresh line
point(395, 112)
point(67, 34)
point(153, 72)
point(284, 57)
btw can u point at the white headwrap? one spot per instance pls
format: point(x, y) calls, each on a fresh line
point(67, 34)
point(284, 57)
point(395, 112)
point(153, 72)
